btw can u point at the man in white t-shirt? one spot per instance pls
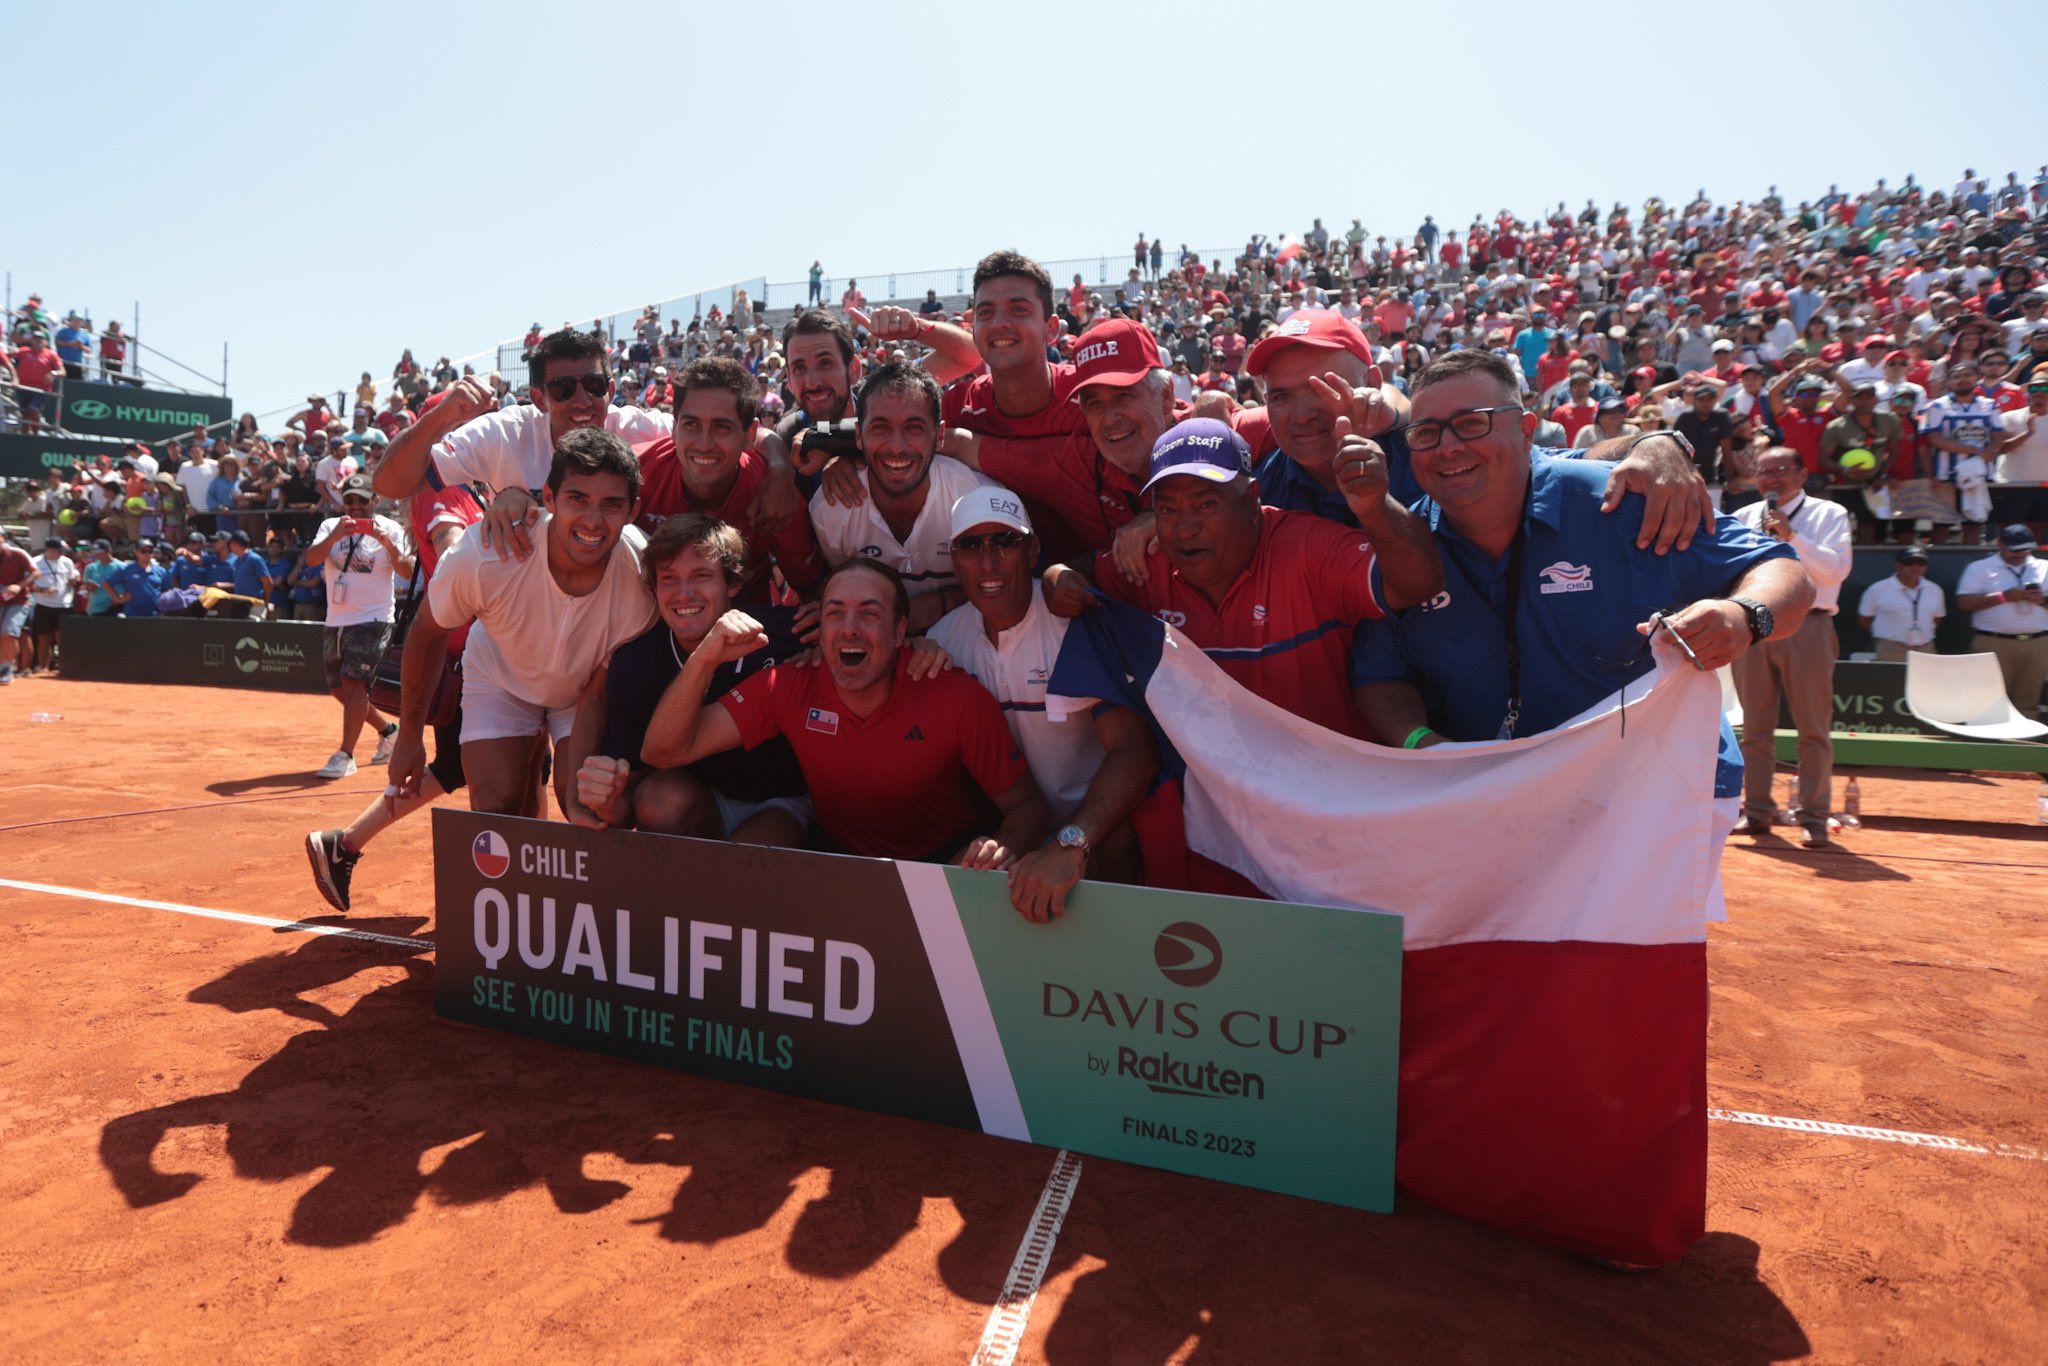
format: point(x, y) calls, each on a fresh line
point(1902, 611)
point(1094, 761)
point(464, 437)
point(901, 513)
point(333, 467)
point(2023, 460)
point(52, 585)
point(195, 477)
point(361, 557)
point(544, 624)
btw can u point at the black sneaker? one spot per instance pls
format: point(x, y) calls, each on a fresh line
point(333, 866)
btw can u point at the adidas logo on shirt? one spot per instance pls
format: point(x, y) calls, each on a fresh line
point(914, 733)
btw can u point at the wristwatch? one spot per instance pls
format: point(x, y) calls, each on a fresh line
point(1072, 837)
point(1761, 622)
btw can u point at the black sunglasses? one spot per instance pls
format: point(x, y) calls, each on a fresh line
point(1001, 540)
point(563, 387)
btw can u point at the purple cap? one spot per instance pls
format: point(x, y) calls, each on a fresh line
point(1203, 447)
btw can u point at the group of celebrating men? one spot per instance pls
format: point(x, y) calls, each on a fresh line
point(783, 636)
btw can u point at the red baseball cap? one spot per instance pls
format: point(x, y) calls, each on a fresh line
point(1118, 353)
point(1322, 327)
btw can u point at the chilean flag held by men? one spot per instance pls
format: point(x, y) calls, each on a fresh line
point(1555, 890)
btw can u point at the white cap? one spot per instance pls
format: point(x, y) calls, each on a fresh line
point(989, 504)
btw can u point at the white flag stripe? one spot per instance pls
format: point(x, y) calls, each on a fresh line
point(1601, 830)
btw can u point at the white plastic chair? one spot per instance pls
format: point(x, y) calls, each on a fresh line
point(1965, 695)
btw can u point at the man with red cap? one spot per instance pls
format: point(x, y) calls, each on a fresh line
point(1301, 363)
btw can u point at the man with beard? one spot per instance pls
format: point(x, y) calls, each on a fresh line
point(908, 492)
point(1095, 762)
point(896, 766)
point(548, 622)
point(823, 366)
point(464, 437)
point(704, 467)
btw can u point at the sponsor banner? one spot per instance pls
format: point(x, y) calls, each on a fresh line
point(1244, 1041)
point(276, 656)
point(1870, 699)
point(27, 457)
point(124, 410)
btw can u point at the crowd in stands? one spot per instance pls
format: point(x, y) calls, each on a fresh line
point(1896, 338)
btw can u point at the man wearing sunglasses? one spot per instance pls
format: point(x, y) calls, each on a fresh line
point(1547, 600)
point(1094, 762)
point(464, 437)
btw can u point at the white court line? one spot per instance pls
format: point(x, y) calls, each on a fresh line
point(1906, 1136)
point(1005, 1331)
point(211, 914)
point(1910, 1138)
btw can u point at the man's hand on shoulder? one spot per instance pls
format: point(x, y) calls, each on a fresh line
point(1676, 502)
point(506, 522)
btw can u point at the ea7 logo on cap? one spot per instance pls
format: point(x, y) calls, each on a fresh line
point(1187, 954)
point(1565, 578)
point(491, 855)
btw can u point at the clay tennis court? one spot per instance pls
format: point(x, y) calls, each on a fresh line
point(231, 1140)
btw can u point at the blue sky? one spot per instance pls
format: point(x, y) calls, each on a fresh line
point(321, 186)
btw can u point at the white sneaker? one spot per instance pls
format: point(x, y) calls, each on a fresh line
point(384, 744)
point(342, 765)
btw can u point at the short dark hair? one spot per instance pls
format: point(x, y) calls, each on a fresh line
point(565, 344)
point(901, 377)
point(998, 264)
point(887, 571)
point(720, 372)
point(714, 540)
point(593, 450)
point(813, 321)
point(1454, 364)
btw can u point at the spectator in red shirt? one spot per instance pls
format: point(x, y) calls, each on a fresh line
point(1576, 414)
point(894, 764)
point(36, 365)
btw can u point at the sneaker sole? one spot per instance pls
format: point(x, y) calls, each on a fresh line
point(323, 878)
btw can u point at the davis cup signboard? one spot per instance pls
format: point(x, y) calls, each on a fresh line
point(1245, 1041)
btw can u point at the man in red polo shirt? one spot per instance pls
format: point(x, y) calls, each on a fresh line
point(894, 764)
point(1271, 595)
point(705, 466)
point(36, 363)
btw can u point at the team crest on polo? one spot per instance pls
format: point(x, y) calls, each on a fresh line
point(1565, 578)
point(491, 855)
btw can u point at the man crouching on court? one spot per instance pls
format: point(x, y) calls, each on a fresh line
point(544, 624)
point(897, 767)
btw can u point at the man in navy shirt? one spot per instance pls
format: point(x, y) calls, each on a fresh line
point(1529, 558)
point(251, 579)
point(1314, 344)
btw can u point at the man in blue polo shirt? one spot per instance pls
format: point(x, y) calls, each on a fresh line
point(1529, 558)
point(1295, 362)
point(136, 585)
point(251, 579)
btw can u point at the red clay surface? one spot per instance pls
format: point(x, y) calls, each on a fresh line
point(233, 1142)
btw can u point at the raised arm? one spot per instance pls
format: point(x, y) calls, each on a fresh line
point(684, 730)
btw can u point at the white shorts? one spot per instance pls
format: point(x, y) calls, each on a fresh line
point(491, 713)
point(735, 814)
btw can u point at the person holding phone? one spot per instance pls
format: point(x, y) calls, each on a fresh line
point(362, 557)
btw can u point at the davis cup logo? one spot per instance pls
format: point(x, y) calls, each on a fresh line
point(491, 855)
point(1187, 954)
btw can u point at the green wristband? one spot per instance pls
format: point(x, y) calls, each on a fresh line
point(1415, 737)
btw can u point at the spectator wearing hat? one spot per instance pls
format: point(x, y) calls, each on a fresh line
point(99, 570)
point(1795, 397)
point(1610, 423)
point(1902, 610)
point(1869, 365)
point(1709, 429)
point(362, 558)
point(192, 564)
point(138, 583)
point(2003, 593)
point(249, 576)
point(1869, 437)
point(53, 588)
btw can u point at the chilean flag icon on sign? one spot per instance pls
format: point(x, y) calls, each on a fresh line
point(491, 854)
